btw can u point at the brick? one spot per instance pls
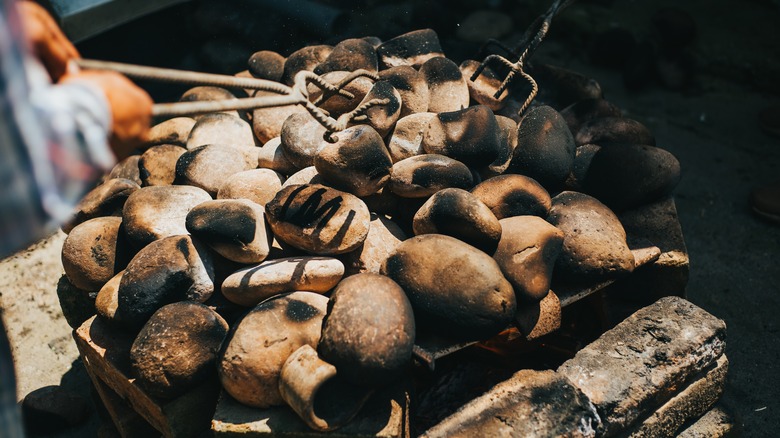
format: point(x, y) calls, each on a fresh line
point(529, 404)
point(645, 360)
point(716, 423)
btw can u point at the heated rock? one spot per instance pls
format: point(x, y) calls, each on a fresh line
point(152, 213)
point(77, 305)
point(594, 242)
point(582, 159)
point(382, 117)
point(251, 285)
point(208, 167)
point(336, 104)
point(250, 364)
point(470, 135)
point(267, 122)
point(157, 166)
point(234, 228)
point(107, 199)
point(256, 185)
point(458, 213)
point(172, 131)
point(586, 110)
point(627, 176)
point(368, 332)
point(423, 175)
point(266, 64)
point(172, 269)
point(94, 251)
point(526, 253)
point(613, 130)
point(455, 289)
point(412, 87)
point(412, 48)
point(447, 89)
point(383, 238)
point(207, 93)
point(513, 195)
point(222, 129)
point(127, 169)
point(107, 299)
point(357, 162)
point(177, 348)
point(406, 139)
point(545, 148)
point(271, 156)
point(318, 219)
point(302, 137)
point(559, 87)
point(350, 55)
point(507, 135)
point(306, 58)
point(483, 89)
point(307, 175)
point(51, 409)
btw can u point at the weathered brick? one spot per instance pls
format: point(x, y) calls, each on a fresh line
point(529, 404)
point(645, 360)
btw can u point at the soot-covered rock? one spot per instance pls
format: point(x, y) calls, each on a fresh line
point(483, 89)
point(411, 86)
point(94, 251)
point(208, 93)
point(306, 58)
point(234, 228)
point(423, 175)
point(383, 238)
point(447, 89)
point(470, 135)
point(527, 253)
point(177, 348)
point(382, 117)
point(256, 185)
point(559, 87)
point(208, 167)
point(412, 49)
point(307, 175)
point(266, 64)
point(252, 360)
point(271, 156)
point(458, 213)
point(302, 136)
point(127, 169)
point(318, 219)
point(368, 332)
point(455, 289)
point(152, 213)
point(357, 162)
point(594, 242)
point(406, 139)
point(157, 165)
point(77, 305)
point(172, 269)
point(107, 199)
point(251, 285)
point(582, 159)
point(336, 104)
point(174, 131)
point(545, 148)
point(586, 110)
point(507, 135)
point(350, 55)
point(222, 129)
point(606, 130)
point(267, 122)
point(627, 176)
point(513, 195)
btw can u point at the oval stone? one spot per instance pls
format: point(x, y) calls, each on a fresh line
point(368, 332)
point(107, 199)
point(594, 241)
point(526, 254)
point(253, 284)
point(222, 129)
point(606, 130)
point(483, 89)
point(94, 251)
point(302, 137)
point(266, 64)
point(208, 167)
point(513, 195)
point(127, 169)
point(560, 87)
point(208, 93)
point(357, 162)
point(336, 104)
point(545, 148)
point(458, 213)
point(252, 359)
point(407, 136)
point(423, 175)
point(350, 55)
point(302, 59)
point(507, 135)
point(157, 165)
point(455, 289)
point(412, 48)
point(256, 185)
point(382, 117)
point(318, 219)
point(152, 213)
point(586, 110)
point(447, 89)
point(307, 175)
point(271, 156)
point(267, 122)
point(470, 135)
point(410, 85)
point(234, 228)
point(582, 159)
point(177, 348)
point(172, 131)
point(383, 238)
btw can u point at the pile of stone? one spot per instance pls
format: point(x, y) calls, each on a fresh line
point(300, 265)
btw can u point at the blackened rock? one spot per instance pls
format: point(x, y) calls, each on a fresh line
point(77, 305)
point(513, 195)
point(447, 89)
point(586, 110)
point(127, 169)
point(94, 251)
point(51, 409)
point(383, 238)
point(483, 89)
point(271, 156)
point(627, 176)
point(306, 58)
point(350, 55)
point(157, 166)
point(267, 122)
point(412, 48)
point(234, 228)
point(585, 154)
point(107, 199)
point(266, 64)
point(307, 175)
point(507, 135)
point(221, 129)
point(382, 117)
point(302, 137)
point(336, 104)
point(406, 139)
point(545, 148)
point(559, 87)
point(423, 175)
point(177, 348)
point(208, 167)
point(470, 135)
point(368, 332)
point(411, 86)
point(207, 93)
point(605, 130)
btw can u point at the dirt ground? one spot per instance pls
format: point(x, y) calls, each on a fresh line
point(713, 131)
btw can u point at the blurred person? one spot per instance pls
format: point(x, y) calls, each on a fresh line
point(60, 129)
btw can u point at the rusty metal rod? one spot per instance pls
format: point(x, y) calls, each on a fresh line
point(181, 109)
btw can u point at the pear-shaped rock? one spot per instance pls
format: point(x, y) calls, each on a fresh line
point(411, 86)
point(94, 251)
point(447, 89)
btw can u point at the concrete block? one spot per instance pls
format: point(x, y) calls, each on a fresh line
point(645, 360)
point(529, 404)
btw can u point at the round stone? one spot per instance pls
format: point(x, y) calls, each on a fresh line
point(423, 175)
point(507, 135)
point(307, 175)
point(594, 242)
point(350, 55)
point(127, 169)
point(267, 122)
point(234, 228)
point(455, 289)
point(266, 64)
point(253, 284)
point(412, 49)
point(357, 162)
point(208, 167)
point(152, 213)
point(174, 131)
point(545, 148)
point(318, 219)
point(458, 213)
point(253, 357)
point(335, 104)
point(157, 166)
point(447, 89)
point(302, 59)
point(407, 136)
point(208, 93)
point(513, 195)
point(94, 251)
point(606, 130)
point(271, 156)
point(382, 117)
point(222, 129)
point(483, 89)
point(107, 199)
point(383, 238)
point(586, 110)
point(302, 137)
point(177, 348)
point(368, 332)
point(526, 254)
point(256, 185)
point(411, 86)
point(470, 135)
point(169, 270)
